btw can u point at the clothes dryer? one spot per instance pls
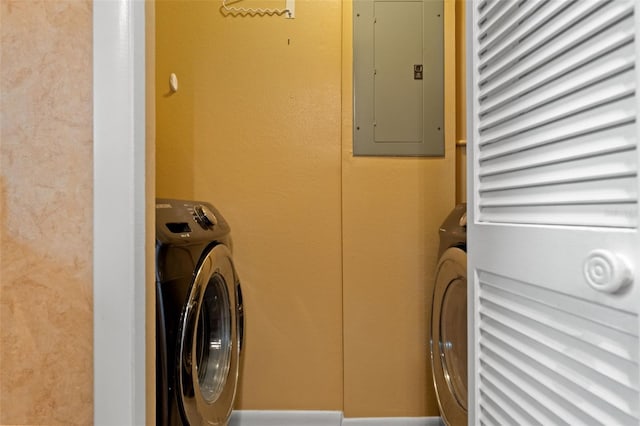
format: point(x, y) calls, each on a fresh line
point(199, 315)
point(449, 319)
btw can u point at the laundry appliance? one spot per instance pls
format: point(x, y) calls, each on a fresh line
point(449, 319)
point(199, 315)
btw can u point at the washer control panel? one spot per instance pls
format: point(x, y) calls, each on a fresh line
point(204, 216)
point(188, 221)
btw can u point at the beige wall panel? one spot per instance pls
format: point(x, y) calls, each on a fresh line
point(461, 173)
point(392, 208)
point(461, 104)
point(256, 129)
point(461, 63)
point(176, 33)
point(391, 216)
point(258, 115)
point(46, 183)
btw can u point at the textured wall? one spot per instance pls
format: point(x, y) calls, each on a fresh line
point(461, 104)
point(391, 211)
point(261, 127)
point(255, 129)
point(46, 372)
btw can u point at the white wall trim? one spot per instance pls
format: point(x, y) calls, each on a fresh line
point(321, 418)
point(393, 421)
point(285, 418)
point(119, 215)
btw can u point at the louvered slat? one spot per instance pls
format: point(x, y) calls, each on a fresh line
point(537, 380)
point(499, 95)
point(609, 166)
point(497, 404)
point(532, 385)
point(548, 345)
point(482, 6)
point(523, 22)
point(616, 358)
point(538, 410)
point(604, 82)
point(493, 14)
point(574, 149)
point(618, 191)
point(512, 67)
point(537, 375)
point(524, 117)
point(530, 332)
point(489, 414)
point(555, 145)
point(498, 390)
point(608, 117)
point(565, 81)
point(488, 417)
point(576, 25)
point(557, 107)
point(618, 320)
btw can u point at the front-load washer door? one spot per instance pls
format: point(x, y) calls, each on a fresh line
point(449, 336)
point(209, 341)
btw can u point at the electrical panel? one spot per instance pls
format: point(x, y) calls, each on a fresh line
point(398, 79)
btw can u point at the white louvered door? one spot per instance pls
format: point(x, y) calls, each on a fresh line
point(553, 212)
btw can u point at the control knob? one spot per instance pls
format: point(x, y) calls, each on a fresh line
point(205, 216)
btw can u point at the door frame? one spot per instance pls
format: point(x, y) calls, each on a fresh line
point(119, 218)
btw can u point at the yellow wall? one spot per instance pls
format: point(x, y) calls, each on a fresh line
point(336, 254)
point(392, 208)
point(46, 227)
point(461, 104)
point(255, 129)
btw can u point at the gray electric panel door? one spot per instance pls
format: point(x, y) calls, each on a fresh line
point(398, 64)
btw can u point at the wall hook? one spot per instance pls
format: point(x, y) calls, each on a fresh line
point(173, 83)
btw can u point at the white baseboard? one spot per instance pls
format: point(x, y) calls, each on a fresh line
point(393, 421)
point(285, 418)
point(321, 418)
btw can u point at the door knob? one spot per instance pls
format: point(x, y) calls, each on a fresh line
point(606, 271)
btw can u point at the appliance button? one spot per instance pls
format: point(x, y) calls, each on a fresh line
point(205, 217)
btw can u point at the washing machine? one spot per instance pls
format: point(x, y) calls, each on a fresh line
point(199, 315)
point(449, 319)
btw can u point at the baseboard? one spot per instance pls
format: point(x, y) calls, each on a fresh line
point(393, 421)
point(321, 418)
point(285, 418)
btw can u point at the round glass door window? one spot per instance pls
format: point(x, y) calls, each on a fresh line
point(453, 339)
point(214, 339)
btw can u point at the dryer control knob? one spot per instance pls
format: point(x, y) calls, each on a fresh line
point(205, 216)
point(606, 271)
